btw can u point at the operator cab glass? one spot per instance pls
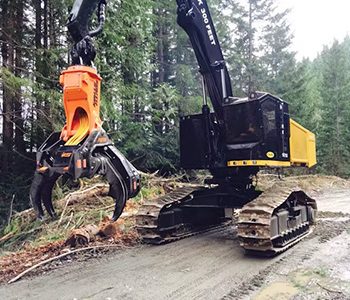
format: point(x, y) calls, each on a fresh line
point(257, 129)
point(242, 123)
point(269, 112)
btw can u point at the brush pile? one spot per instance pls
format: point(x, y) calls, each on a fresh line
point(83, 222)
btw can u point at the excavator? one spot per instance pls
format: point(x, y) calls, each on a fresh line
point(233, 142)
point(233, 138)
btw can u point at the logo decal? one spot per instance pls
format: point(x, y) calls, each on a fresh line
point(270, 155)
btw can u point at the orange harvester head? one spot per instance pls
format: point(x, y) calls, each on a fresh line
point(81, 96)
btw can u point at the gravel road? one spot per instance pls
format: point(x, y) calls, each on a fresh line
point(210, 266)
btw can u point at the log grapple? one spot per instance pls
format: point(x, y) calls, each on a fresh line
point(82, 149)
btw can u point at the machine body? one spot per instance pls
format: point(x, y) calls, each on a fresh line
point(256, 131)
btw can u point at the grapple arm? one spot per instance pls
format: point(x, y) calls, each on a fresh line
point(82, 149)
point(83, 50)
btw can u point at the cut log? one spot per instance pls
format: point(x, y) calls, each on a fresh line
point(82, 236)
point(108, 229)
point(100, 190)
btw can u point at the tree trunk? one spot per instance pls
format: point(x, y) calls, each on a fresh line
point(8, 62)
point(250, 54)
point(18, 118)
point(36, 130)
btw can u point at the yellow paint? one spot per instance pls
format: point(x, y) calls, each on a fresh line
point(258, 163)
point(302, 145)
point(270, 154)
point(82, 131)
point(302, 151)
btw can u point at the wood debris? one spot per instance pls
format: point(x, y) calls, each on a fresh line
point(82, 236)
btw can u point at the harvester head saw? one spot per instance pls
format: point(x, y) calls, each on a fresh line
point(82, 149)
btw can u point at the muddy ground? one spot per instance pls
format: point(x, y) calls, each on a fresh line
point(211, 266)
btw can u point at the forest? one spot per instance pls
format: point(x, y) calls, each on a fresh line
point(150, 78)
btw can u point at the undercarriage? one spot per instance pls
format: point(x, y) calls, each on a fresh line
point(269, 222)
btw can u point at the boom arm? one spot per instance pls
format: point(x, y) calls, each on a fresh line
point(83, 51)
point(194, 17)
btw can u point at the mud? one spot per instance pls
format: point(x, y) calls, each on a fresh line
point(211, 266)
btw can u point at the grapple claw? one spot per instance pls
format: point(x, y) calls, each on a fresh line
point(82, 149)
point(123, 178)
point(41, 193)
point(120, 201)
point(95, 155)
point(35, 194)
point(47, 195)
point(117, 185)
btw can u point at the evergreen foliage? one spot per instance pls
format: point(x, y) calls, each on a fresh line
point(150, 78)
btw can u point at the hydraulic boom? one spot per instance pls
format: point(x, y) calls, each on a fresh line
point(194, 17)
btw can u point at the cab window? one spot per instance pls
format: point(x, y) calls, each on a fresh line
point(269, 119)
point(242, 124)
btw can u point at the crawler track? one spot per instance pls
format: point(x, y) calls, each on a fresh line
point(269, 224)
point(276, 220)
point(149, 218)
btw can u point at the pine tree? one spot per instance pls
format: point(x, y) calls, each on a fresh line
point(260, 55)
point(334, 135)
point(277, 60)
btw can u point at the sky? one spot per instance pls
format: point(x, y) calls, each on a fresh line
point(316, 23)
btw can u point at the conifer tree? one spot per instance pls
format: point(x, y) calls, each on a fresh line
point(334, 150)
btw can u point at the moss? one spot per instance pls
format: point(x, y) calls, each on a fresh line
point(14, 227)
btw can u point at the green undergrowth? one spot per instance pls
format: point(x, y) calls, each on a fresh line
point(25, 232)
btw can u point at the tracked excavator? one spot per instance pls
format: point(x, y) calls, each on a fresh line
point(82, 149)
point(234, 141)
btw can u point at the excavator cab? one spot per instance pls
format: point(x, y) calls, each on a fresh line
point(259, 132)
point(257, 129)
point(256, 132)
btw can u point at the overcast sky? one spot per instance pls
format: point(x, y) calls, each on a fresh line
point(316, 23)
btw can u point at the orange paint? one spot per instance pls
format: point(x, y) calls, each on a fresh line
point(81, 97)
point(66, 155)
point(79, 164)
point(102, 140)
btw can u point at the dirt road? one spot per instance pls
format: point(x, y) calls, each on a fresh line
point(211, 266)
